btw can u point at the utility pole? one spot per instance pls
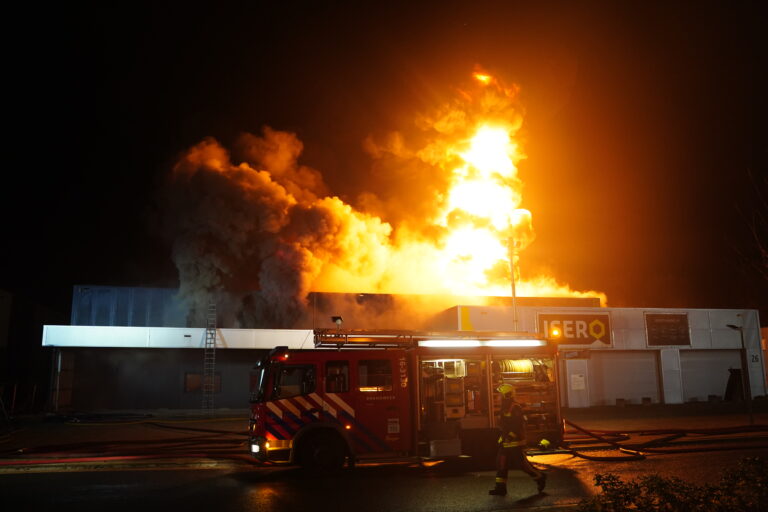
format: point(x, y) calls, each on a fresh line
point(745, 385)
point(512, 254)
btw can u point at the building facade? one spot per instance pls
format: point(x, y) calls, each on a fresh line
point(608, 356)
point(638, 355)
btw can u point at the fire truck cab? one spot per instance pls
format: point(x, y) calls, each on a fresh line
point(394, 394)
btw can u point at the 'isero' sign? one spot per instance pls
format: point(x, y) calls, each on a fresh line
point(577, 329)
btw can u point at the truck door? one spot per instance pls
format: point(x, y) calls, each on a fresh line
point(383, 412)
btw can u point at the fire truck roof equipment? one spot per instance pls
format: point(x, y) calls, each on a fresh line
point(365, 338)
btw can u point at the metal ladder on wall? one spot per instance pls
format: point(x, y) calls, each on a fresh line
point(209, 359)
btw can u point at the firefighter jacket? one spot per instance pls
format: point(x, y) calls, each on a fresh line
point(511, 424)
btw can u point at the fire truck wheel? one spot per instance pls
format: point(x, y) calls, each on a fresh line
point(323, 452)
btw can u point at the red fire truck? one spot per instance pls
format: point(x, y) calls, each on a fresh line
point(380, 394)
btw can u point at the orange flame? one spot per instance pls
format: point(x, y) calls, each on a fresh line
point(481, 215)
point(308, 241)
point(482, 77)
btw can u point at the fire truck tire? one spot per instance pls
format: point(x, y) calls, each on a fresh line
point(323, 452)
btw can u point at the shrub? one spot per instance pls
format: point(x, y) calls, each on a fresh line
point(743, 488)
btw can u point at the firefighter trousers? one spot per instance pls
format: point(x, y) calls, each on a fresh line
point(514, 458)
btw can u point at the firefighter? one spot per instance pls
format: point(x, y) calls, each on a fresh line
point(511, 454)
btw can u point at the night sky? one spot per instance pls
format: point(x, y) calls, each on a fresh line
point(644, 121)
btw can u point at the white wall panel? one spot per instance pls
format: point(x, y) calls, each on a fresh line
point(172, 337)
point(291, 338)
point(699, 323)
point(725, 338)
point(95, 336)
point(671, 376)
point(236, 338)
point(701, 339)
point(632, 339)
point(722, 335)
point(628, 318)
point(697, 318)
point(577, 383)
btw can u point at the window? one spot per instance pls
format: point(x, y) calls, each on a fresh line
point(294, 380)
point(336, 377)
point(375, 375)
point(193, 383)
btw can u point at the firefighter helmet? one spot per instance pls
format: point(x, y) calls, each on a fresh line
point(506, 389)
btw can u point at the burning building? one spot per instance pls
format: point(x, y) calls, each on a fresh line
point(443, 215)
point(439, 235)
point(131, 348)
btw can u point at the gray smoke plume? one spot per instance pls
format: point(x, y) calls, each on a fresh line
point(257, 232)
point(228, 224)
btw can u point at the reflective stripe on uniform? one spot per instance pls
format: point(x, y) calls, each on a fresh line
point(510, 443)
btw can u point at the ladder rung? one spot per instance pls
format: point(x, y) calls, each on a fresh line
point(209, 358)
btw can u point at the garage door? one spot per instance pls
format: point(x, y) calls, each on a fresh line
point(629, 375)
point(705, 372)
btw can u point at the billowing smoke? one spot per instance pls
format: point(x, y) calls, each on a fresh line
point(255, 236)
point(257, 232)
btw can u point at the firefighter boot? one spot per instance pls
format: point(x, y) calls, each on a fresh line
point(500, 489)
point(541, 482)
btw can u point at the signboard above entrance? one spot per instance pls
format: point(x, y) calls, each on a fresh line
point(577, 329)
point(667, 329)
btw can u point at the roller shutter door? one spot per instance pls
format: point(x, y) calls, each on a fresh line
point(629, 375)
point(705, 372)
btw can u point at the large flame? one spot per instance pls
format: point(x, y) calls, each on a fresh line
point(482, 213)
point(483, 224)
point(268, 224)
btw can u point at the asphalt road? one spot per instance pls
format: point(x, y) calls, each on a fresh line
point(204, 485)
point(141, 464)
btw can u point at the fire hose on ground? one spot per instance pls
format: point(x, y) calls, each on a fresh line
point(639, 451)
point(213, 444)
point(228, 444)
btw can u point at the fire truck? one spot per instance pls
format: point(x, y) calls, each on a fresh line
point(395, 394)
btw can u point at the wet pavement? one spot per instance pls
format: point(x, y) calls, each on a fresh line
point(183, 432)
point(93, 458)
point(139, 438)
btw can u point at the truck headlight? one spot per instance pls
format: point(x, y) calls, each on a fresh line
point(259, 447)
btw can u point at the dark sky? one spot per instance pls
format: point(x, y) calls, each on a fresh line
point(643, 123)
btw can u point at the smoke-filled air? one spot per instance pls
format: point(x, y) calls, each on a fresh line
point(259, 231)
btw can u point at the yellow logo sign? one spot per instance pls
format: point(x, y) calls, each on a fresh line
point(597, 329)
point(576, 329)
